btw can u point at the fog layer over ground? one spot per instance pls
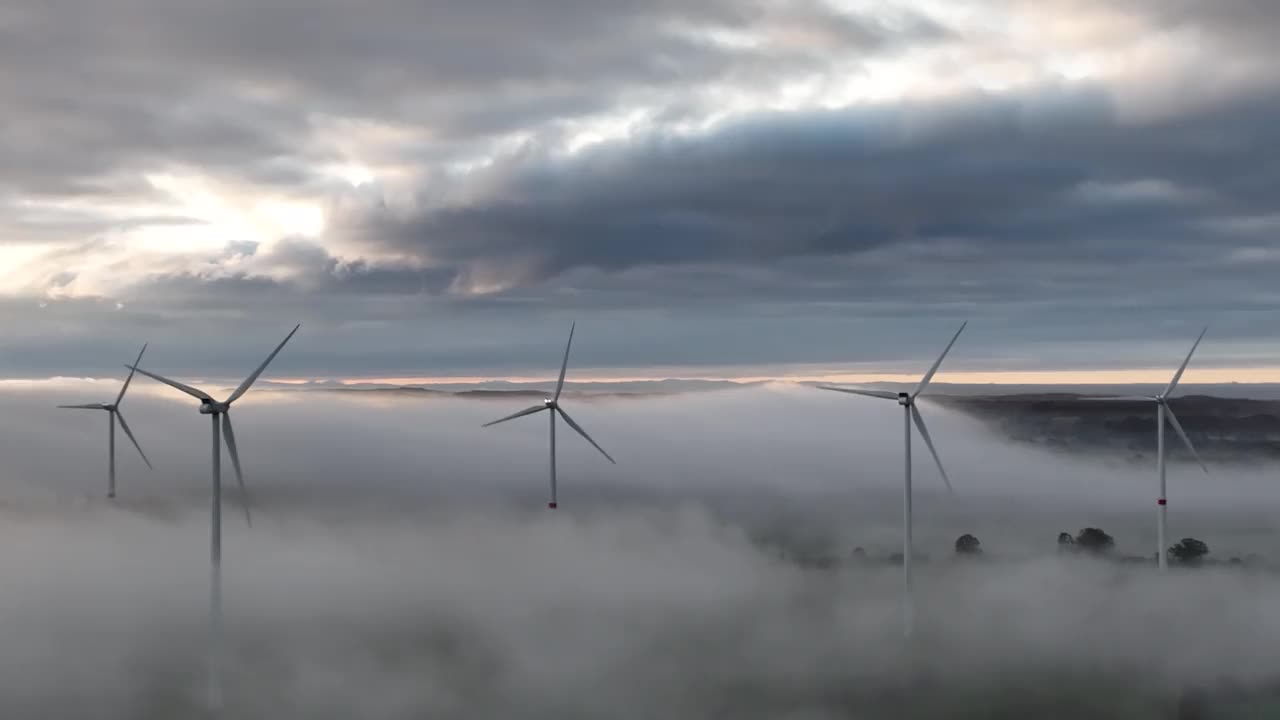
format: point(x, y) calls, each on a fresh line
point(402, 563)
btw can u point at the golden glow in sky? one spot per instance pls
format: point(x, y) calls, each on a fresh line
point(1193, 376)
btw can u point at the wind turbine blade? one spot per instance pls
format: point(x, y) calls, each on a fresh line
point(565, 365)
point(130, 378)
point(1177, 426)
point(90, 406)
point(513, 416)
point(230, 436)
point(868, 393)
point(244, 386)
point(1178, 375)
point(193, 392)
point(929, 375)
point(1119, 398)
point(584, 434)
point(928, 441)
point(125, 426)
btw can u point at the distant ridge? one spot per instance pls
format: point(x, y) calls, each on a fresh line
point(506, 389)
point(671, 386)
point(1223, 429)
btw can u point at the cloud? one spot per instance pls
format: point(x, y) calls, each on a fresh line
point(240, 89)
point(436, 582)
point(653, 163)
point(1046, 206)
point(702, 456)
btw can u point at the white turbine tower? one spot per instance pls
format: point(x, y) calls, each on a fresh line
point(214, 409)
point(552, 404)
point(910, 414)
point(114, 416)
point(1163, 413)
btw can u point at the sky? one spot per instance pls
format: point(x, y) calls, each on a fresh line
point(710, 188)
point(401, 563)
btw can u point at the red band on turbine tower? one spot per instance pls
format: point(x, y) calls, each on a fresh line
point(553, 505)
point(1162, 501)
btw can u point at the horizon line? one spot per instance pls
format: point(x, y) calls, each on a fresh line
point(1128, 376)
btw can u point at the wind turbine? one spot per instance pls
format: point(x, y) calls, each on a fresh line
point(1163, 413)
point(910, 414)
point(216, 410)
point(552, 404)
point(113, 416)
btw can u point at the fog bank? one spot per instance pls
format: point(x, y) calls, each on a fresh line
point(402, 564)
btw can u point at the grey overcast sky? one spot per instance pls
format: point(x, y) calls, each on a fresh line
point(707, 186)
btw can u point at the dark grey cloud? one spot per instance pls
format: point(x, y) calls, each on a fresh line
point(1048, 174)
point(1048, 205)
point(1233, 21)
point(103, 92)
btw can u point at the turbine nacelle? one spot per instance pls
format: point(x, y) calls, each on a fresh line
point(905, 399)
point(96, 406)
point(210, 407)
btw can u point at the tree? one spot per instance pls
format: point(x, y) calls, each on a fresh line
point(968, 545)
point(1189, 551)
point(1094, 540)
point(1066, 542)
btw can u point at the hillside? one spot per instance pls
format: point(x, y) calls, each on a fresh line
point(1222, 429)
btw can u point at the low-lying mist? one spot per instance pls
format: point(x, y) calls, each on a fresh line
point(402, 564)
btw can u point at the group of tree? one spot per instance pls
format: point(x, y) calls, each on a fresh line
point(1189, 551)
point(1091, 541)
point(1095, 541)
point(968, 545)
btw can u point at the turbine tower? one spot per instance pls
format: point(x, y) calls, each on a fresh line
point(1163, 413)
point(552, 404)
point(114, 416)
point(910, 414)
point(220, 411)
